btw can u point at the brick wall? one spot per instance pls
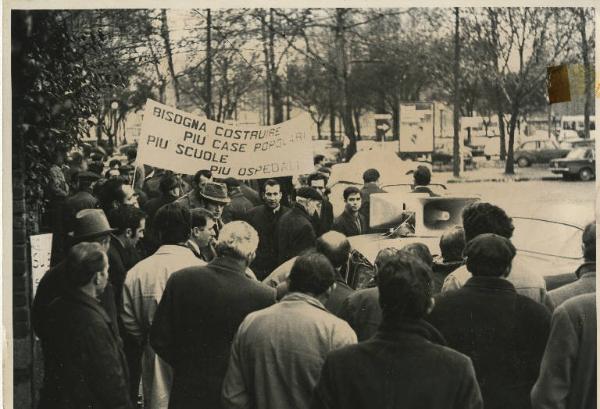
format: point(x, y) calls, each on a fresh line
point(22, 333)
point(23, 356)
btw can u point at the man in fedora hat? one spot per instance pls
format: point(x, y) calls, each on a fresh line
point(211, 196)
point(193, 199)
point(90, 225)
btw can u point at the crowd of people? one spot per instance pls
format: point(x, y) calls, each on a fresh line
point(169, 291)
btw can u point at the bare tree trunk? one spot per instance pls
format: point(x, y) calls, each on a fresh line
point(455, 151)
point(164, 32)
point(276, 92)
point(208, 67)
point(502, 127)
point(219, 117)
point(587, 71)
point(332, 124)
point(100, 123)
point(357, 122)
point(342, 76)
point(510, 165)
point(267, 70)
point(395, 118)
point(319, 124)
point(497, 90)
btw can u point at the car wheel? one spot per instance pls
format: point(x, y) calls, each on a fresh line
point(523, 162)
point(586, 174)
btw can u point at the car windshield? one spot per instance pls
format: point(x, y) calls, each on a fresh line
point(579, 153)
point(547, 237)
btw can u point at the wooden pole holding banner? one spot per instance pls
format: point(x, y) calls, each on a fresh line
point(133, 178)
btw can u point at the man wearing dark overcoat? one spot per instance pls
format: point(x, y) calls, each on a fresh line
point(264, 219)
point(503, 332)
point(406, 364)
point(296, 231)
point(91, 225)
point(91, 370)
point(199, 314)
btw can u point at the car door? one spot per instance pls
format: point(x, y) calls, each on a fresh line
point(550, 150)
point(528, 150)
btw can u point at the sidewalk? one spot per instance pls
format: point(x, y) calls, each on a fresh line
point(496, 174)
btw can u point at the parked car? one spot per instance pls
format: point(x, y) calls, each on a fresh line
point(579, 162)
point(538, 151)
point(443, 154)
point(476, 150)
point(577, 143)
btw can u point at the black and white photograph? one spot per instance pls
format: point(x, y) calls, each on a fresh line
point(213, 205)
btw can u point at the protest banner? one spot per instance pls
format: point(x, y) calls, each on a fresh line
point(185, 143)
point(41, 250)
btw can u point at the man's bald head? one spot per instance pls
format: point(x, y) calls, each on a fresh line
point(335, 246)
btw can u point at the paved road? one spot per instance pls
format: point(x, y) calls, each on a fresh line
point(570, 202)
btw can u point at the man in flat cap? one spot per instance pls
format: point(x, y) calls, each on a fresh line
point(295, 229)
point(503, 332)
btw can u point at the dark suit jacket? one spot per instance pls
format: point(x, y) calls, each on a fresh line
point(120, 260)
point(365, 193)
point(405, 366)
point(85, 355)
point(504, 333)
point(345, 224)
point(238, 208)
point(324, 222)
point(195, 323)
point(251, 194)
point(337, 297)
point(295, 233)
point(424, 189)
point(265, 221)
point(362, 311)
